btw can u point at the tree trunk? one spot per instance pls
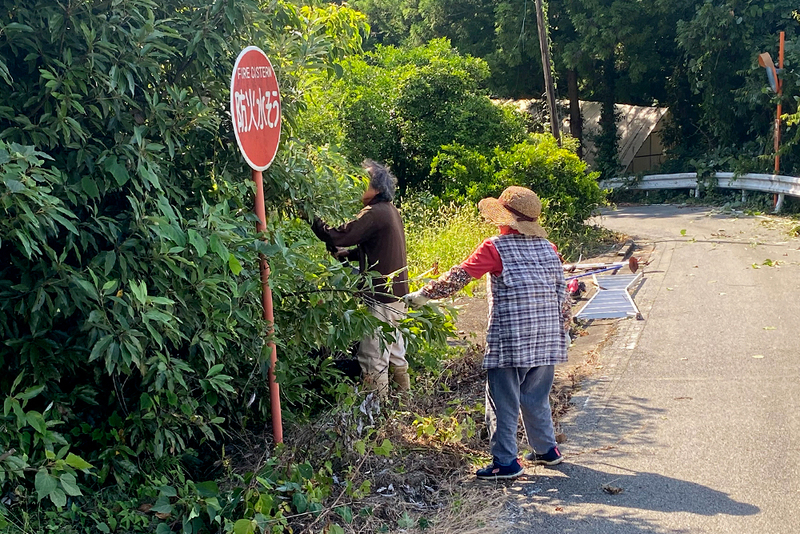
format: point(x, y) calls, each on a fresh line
point(575, 117)
point(549, 87)
point(607, 161)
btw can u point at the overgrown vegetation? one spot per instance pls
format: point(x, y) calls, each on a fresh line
point(403, 105)
point(569, 192)
point(133, 343)
point(133, 348)
point(440, 235)
point(696, 57)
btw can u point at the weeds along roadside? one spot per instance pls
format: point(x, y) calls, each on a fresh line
point(356, 468)
point(359, 467)
point(325, 479)
point(440, 235)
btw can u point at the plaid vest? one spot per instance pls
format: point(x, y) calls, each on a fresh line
point(525, 328)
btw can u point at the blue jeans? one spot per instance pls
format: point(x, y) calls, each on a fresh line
point(510, 390)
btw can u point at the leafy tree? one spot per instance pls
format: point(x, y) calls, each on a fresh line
point(503, 33)
point(791, 81)
point(567, 189)
point(721, 43)
point(400, 106)
point(129, 285)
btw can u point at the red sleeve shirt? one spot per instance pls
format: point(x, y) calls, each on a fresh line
point(486, 259)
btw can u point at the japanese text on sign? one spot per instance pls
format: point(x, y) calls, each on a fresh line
point(256, 110)
point(255, 107)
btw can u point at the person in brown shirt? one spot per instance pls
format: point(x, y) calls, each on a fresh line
point(378, 235)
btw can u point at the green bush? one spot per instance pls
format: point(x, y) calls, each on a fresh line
point(401, 105)
point(130, 296)
point(569, 193)
point(462, 174)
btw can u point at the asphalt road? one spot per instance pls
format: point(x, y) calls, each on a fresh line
point(695, 412)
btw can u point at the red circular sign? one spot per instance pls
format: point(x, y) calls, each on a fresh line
point(256, 107)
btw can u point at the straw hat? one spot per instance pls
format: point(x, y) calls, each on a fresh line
point(517, 207)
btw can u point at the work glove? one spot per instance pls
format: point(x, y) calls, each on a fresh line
point(416, 299)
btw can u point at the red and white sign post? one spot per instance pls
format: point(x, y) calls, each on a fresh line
point(256, 115)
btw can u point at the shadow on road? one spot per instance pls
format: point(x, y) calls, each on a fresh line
point(611, 425)
point(600, 522)
point(581, 484)
point(667, 211)
point(614, 430)
point(574, 500)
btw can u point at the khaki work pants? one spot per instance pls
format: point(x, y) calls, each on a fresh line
point(376, 355)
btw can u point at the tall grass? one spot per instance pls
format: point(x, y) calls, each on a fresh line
point(439, 236)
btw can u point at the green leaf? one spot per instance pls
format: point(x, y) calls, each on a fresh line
point(85, 285)
point(77, 462)
point(36, 420)
point(335, 529)
point(406, 521)
point(89, 187)
point(300, 502)
point(163, 528)
point(18, 27)
point(215, 370)
point(66, 223)
point(207, 489)
point(15, 186)
point(102, 527)
point(6, 76)
point(69, 484)
point(162, 505)
point(234, 264)
point(683, 232)
point(44, 483)
point(145, 401)
point(360, 447)
point(100, 347)
point(117, 170)
point(216, 245)
point(385, 448)
point(197, 241)
point(265, 504)
point(29, 393)
point(306, 471)
point(139, 291)
point(111, 260)
point(345, 512)
point(244, 526)
point(168, 491)
point(58, 497)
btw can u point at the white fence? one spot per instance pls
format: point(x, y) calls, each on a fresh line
point(768, 183)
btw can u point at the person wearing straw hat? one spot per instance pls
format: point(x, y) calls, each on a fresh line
point(527, 332)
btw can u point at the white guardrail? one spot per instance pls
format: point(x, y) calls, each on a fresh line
point(768, 183)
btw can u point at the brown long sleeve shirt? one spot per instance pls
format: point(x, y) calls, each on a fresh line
point(378, 233)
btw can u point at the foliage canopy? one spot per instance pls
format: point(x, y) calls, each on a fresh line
point(129, 289)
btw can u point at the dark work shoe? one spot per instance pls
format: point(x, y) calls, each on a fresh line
point(495, 471)
point(551, 457)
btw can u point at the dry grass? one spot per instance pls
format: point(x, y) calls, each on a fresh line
point(427, 484)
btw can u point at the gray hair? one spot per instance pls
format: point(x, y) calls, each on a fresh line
point(381, 179)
